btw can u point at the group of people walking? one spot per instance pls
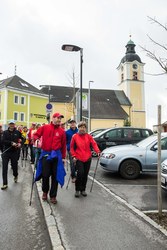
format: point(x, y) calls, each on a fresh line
point(55, 144)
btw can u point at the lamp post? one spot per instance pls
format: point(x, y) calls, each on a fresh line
point(72, 48)
point(89, 121)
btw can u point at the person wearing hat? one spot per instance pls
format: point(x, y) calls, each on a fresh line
point(52, 157)
point(69, 133)
point(80, 149)
point(30, 139)
point(11, 140)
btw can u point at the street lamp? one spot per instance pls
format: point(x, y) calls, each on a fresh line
point(72, 48)
point(89, 121)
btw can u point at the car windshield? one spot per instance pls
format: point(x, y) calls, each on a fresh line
point(148, 141)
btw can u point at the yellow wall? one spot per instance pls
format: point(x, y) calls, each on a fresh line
point(106, 123)
point(65, 109)
point(2, 104)
point(34, 109)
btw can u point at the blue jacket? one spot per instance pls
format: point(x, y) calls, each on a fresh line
point(60, 166)
point(69, 133)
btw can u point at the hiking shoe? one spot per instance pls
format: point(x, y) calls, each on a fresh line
point(44, 197)
point(84, 193)
point(77, 194)
point(15, 179)
point(53, 200)
point(4, 187)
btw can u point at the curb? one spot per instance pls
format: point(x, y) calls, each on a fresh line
point(52, 226)
point(50, 221)
point(132, 208)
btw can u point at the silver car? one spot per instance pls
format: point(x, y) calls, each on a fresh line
point(131, 160)
point(164, 175)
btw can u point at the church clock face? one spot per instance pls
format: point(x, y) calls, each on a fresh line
point(134, 66)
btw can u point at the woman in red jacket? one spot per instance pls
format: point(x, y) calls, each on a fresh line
point(80, 149)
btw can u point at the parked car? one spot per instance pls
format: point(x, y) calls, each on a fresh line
point(96, 131)
point(131, 160)
point(120, 136)
point(164, 175)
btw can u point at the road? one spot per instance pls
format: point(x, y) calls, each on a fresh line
point(141, 193)
point(100, 221)
point(21, 226)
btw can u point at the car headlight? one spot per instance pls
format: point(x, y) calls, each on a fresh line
point(163, 166)
point(108, 156)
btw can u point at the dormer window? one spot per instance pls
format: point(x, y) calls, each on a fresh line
point(24, 84)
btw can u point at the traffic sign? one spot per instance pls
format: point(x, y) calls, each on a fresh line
point(49, 106)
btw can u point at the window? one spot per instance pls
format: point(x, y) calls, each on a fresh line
point(22, 117)
point(145, 133)
point(122, 77)
point(22, 100)
point(24, 84)
point(134, 75)
point(16, 99)
point(0, 98)
point(115, 133)
point(16, 115)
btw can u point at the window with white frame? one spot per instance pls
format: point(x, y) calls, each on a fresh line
point(22, 115)
point(22, 101)
point(16, 99)
point(16, 116)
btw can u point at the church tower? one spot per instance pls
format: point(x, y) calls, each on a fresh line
point(131, 81)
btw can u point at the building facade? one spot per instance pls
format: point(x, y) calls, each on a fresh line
point(131, 81)
point(22, 102)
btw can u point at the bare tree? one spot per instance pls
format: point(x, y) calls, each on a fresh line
point(73, 82)
point(162, 61)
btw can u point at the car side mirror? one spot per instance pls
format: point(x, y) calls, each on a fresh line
point(154, 148)
point(106, 137)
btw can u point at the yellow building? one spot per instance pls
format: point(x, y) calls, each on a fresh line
point(131, 81)
point(22, 102)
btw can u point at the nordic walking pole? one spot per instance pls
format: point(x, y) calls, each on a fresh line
point(94, 174)
point(32, 186)
point(68, 181)
point(6, 150)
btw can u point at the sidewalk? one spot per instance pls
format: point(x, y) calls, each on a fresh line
point(99, 221)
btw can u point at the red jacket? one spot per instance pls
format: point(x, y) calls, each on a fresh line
point(53, 138)
point(80, 146)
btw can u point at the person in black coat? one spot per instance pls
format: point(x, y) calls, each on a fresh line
point(11, 140)
point(1, 133)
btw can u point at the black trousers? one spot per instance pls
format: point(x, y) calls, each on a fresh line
point(82, 169)
point(13, 156)
point(25, 150)
point(72, 166)
point(49, 169)
point(32, 153)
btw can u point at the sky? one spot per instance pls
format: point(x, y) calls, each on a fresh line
point(33, 31)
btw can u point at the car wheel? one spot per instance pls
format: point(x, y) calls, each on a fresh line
point(130, 169)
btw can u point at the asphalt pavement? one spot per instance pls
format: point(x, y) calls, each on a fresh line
point(22, 227)
point(101, 220)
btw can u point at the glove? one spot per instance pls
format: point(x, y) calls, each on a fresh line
point(98, 155)
point(14, 144)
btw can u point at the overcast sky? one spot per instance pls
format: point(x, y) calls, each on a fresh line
point(33, 31)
